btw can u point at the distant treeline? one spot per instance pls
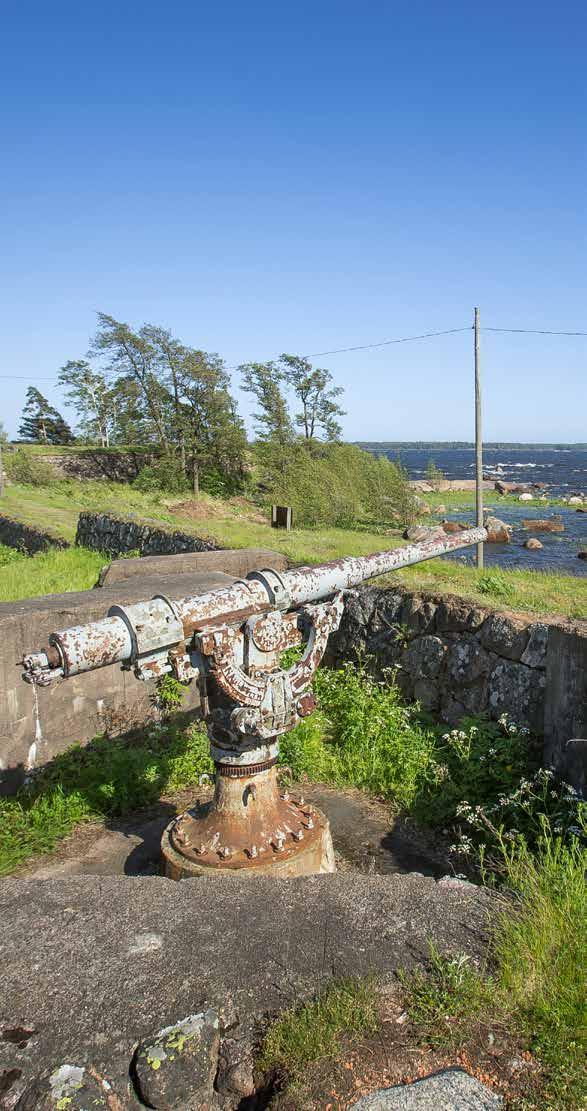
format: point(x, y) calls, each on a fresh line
point(447, 445)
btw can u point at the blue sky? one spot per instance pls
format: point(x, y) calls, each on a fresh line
point(263, 178)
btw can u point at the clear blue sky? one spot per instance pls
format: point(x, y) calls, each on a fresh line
point(298, 177)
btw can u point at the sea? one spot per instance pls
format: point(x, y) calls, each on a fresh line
point(563, 470)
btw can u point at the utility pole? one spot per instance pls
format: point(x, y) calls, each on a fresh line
point(1, 470)
point(478, 441)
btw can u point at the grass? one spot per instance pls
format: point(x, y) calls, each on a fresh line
point(536, 990)
point(105, 778)
point(48, 572)
point(312, 1031)
point(236, 523)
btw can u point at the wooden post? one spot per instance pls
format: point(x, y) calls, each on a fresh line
point(478, 442)
point(1, 470)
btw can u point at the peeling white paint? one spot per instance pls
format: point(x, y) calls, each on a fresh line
point(34, 747)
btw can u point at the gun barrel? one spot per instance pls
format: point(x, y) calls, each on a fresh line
point(131, 631)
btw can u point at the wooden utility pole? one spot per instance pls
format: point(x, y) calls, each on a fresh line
point(478, 441)
point(1, 471)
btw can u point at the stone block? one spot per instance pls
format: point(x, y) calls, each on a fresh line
point(534, 654)
point(518, 691)
point(425, 656)
point(467, 660)
point(417, 614)
point(566, 690)
point(505, 635)
point(427, 693)
point(457, 615)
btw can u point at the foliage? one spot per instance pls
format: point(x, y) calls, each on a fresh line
point(362, 736)
point(313, 389)
point(496, 584)
point(448, 993)
point(23, 467)
point(434, 475)
point(335, 484)
point(95, 402)
point(170, 693)
point(41, 421)
point(10, 555)
point(107, 777)
point(476, 764)
point(536, 989)
point(49, 572)
point(164, 475)
point(313, 1030)
point(145, 386)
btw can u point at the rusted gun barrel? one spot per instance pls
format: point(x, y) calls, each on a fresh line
point(230, 642)
point(145, 633)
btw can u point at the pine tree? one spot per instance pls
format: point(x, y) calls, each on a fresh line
point(41, 422)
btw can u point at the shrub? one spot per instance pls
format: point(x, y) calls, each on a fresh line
point(165, 476)
point(26, 469)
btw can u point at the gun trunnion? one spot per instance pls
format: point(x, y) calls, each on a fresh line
point(229, 641)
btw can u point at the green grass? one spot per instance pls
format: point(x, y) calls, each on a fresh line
point(538, 592)
point(536, 990)
point(48, 572)
point(308, 1033)
point(105, 778)
point(235, 523)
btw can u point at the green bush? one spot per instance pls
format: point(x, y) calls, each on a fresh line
point(10, 555)
point(26, 469)
point(336, 484)
point(165, 475)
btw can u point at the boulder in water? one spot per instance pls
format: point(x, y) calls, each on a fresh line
point(546, 524)
point(498, 532)
point(533, 544)
point(454, 526)
point(525, 497)
point(420, 533)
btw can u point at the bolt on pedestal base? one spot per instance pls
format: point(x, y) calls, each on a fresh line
point(249, 827)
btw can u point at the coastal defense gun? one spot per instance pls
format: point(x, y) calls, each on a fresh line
point(230, 642)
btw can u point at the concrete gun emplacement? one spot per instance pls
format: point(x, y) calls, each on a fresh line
point(229, 641)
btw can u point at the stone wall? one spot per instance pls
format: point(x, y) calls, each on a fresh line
point(27, 538)
point(459, 658)
point(110, 466)
point(105, 532)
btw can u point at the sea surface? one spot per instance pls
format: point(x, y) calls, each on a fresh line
point(562, 469)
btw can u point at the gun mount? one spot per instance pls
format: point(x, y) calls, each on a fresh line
point(229, 641)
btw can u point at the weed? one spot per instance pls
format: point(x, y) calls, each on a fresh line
point(312, 1031)
point(105, 778)
point(170, 693)
point(48, 572)
point(444, 996)
point(496, 584)
point(362, 736)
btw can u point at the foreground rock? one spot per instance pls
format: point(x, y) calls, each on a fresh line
point(94, 966)
point(450, 1090)
point(179, 1063)
point(498, 532)
point(420, 533)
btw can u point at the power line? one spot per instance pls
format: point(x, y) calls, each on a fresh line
point(358, 347)
point(534, 331)
point(386, 342)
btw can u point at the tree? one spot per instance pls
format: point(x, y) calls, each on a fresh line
point(313, 389)
point(131, 356)
point(42, 422)
point(87, 390)
point(273, 420)
point(212, 433)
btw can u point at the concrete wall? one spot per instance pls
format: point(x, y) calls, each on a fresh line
point(37, 725)
point(459, 658)
point(105, 532)
point(27, 538)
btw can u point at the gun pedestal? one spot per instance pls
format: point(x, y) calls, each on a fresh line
point(231, 642)
point(252, 824)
